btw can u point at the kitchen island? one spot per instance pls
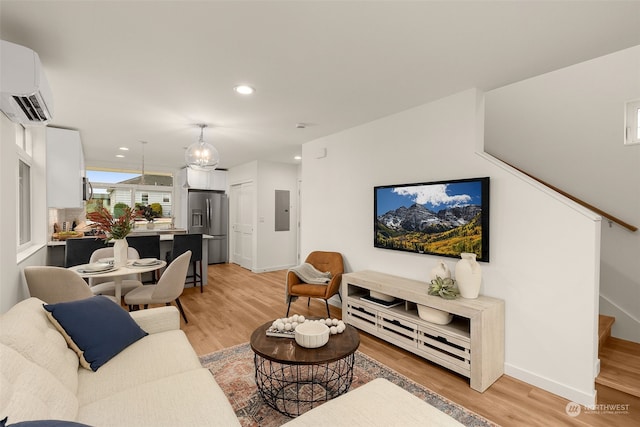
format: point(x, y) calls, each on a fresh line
point(55, 249)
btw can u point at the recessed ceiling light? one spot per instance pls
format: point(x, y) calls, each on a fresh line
point(120, 155)
point(124, 148)
point(298, 158)
point(244, 89)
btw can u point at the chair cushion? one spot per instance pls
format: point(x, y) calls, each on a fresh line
point(95, 328)
point(306, 290)
point(109, 288)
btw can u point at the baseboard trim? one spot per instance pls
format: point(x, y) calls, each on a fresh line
point(578, 396)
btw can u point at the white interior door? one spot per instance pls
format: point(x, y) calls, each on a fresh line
point(241, 214)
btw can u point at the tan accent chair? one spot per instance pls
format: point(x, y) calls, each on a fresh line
point(56, 284)
point(105, 285)
point(169, 287)
point(322, 261)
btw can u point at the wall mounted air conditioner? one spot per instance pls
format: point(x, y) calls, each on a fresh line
point(25, 95)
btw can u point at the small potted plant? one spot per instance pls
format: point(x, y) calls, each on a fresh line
point(149, 214)
point(445, 288)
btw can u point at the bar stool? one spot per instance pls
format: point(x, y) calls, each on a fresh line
point(147, 247)
point(78, 251)
point(189, 242)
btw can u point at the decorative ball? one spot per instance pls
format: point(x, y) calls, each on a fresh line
point(287, 326)
point(280, 326)
point(333, 330)
point(339, 328)
point(301, 319)
point(328, 321)
point(334, 322)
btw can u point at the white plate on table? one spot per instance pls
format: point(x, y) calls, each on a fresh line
point(144, 262)
point(96, 267)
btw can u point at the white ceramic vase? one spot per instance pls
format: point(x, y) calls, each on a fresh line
point(468, 276)
point(441, 270)
point(120, 249)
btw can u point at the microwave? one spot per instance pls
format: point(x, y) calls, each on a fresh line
point(87, 189)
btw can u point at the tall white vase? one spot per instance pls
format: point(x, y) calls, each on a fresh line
point(468, 276)
point(440, 270)
point(120, 249)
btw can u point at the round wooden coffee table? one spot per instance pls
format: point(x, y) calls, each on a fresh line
point(293, 379)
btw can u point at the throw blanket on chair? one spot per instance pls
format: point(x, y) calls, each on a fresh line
point(308, 274)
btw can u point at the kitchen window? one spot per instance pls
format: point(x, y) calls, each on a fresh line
point(118, 189)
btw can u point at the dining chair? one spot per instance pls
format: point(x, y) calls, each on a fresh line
point(78, 251)
point(193, 243)
point(105, 285)
point(56, 284)
point(322, 261)
point(147, 247)
point(169, 287)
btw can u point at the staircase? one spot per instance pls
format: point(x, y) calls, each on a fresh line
point(619, 360)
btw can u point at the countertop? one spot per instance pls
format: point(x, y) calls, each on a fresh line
point(164, 236)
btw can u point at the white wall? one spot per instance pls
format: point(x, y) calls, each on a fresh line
point(543, 247)
point(567, 128)
point(272, 250)
point(12, 287)
point(276, 249)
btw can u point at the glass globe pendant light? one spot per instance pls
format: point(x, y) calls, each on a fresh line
point(202, 155)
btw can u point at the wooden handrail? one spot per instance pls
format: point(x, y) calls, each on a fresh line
point(600, 212)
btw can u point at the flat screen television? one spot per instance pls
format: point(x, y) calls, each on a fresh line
point(442, 218)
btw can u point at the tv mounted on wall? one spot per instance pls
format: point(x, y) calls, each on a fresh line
point(442, 218)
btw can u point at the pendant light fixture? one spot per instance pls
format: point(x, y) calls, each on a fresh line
point(201, 155)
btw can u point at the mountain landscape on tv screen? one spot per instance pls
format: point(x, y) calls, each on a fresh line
point(415, 228)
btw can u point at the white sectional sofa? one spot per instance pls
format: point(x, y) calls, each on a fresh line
point(156, 381)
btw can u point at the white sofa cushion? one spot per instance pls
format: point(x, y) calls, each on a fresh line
point(176, 400)
point(30, 392)
point(377, 403)
point(26, 329)
point(149, 359)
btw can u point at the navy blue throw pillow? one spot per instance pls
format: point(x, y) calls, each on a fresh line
point(95, 328)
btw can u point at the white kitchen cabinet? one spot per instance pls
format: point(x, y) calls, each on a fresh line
point(65, 168)
point(206, 180)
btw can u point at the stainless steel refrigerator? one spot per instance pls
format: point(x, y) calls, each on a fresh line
point(208, 213)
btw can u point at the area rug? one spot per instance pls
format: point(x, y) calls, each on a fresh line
point(234, 371)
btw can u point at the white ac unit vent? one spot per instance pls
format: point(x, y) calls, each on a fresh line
point(25, 95)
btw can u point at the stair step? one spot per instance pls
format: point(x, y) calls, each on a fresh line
point(604, 329)
point(620, 366)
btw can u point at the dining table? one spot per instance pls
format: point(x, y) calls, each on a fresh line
point(118, 273)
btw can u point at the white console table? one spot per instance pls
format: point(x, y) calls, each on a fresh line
point(471, 345)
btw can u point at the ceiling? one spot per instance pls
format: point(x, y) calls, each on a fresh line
point(123, 72)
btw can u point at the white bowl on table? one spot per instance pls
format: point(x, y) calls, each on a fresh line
point(312, 334)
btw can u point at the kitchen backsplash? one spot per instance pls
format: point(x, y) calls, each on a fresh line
point(59, 216)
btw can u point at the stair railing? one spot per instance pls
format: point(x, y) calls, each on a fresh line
point(600, 212)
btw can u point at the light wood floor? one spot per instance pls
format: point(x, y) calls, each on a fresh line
point(236, 301)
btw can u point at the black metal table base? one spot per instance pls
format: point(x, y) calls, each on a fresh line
point(294, 389)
